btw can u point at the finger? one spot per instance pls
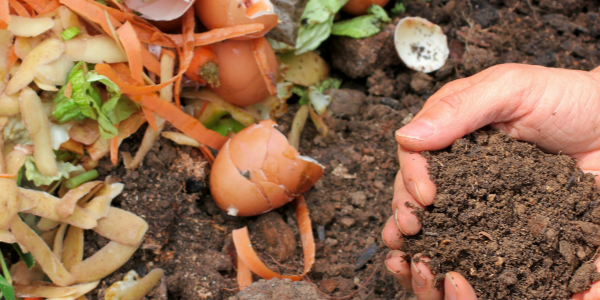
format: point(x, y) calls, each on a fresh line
point(391, 235)
point(453, 87)
point(589, 162)
point(594, 292)
point(465, 111)
point(456, 287)
point(404, 205)
point(423, 280)
point(399, 268)
point(416, 176)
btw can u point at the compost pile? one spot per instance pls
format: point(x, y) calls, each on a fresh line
point(516, 222)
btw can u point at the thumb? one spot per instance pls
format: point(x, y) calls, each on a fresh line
point(463, 112)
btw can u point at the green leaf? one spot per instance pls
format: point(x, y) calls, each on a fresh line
point(102, 2)
point(26, 257)
point(379, 13)
point(119, 108)
point(70, 33)
point(7, 290)
point(86, 101)
point(398, 9)
point(363, 26)
point(316, 23)
point(33, 174)
point(226, 125)
point(302, 93)
point(328, 83)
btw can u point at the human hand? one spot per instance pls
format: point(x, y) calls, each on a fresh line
point(557, 109)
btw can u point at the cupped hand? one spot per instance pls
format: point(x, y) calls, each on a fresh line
point(557, 109)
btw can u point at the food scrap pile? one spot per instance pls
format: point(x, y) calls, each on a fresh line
point(77, 77)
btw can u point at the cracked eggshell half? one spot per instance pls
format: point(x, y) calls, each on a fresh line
point(160, 10)
point(226, 13)
point(257, 171)
point(421, 45)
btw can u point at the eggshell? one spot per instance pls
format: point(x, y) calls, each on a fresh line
point(421, 45)
point(160, 10)
point(241, 82)
point(226, 13)
point(359, 7)
point(277, 174)
point(231, 191)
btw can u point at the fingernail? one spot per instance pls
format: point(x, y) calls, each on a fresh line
point(451, 294)
point(419, 280)
point(392, 271)
point(397, 223)
point(413, 187)
point(384, 241)
point(418, 129)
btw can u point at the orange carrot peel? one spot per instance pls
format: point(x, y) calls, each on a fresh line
point(182, 121)
point(4, 10)
point(244, 249)
point(244, 275)
point(133, 49)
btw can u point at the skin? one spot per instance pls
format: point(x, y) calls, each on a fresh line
point(557, 109)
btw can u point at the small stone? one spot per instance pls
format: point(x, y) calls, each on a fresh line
point(421, 81)
point(347, 221)
point(359, 199)
point(328, 285)
point(278, 235)
point(345, 102)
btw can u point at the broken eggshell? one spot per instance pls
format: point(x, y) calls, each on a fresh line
point(160, 10)
point(241, 82)
point(257, 171)
point(226, 13)
point(421, 45)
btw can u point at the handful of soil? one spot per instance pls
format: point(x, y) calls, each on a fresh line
point(518, 223)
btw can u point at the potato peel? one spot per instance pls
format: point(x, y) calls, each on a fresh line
point(246, 253)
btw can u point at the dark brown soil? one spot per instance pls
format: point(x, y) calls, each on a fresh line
point(190, 237)
point(518, 223)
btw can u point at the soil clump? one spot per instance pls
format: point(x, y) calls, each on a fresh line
point(518, 223)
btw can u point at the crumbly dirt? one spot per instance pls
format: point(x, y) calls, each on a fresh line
point(518, 223)
point(190, 237)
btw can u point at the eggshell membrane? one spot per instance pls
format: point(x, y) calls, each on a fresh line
point(160, 10)
point(230, 189)
point(359, 7)
point(226, 13)
point(241, 82)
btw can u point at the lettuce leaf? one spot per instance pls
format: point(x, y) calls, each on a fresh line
point(363, 26)
point(316, 23)
point(64, 169)
point(86, 101)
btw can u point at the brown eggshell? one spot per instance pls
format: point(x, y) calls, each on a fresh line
point(244, 149)
point(241, 82)
point(276, 194)
point(277, 173)
point(231, 191)
point(226, 13)
point(359, 7)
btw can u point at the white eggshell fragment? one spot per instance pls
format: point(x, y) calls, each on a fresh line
point(160, 10)
point(421, 45)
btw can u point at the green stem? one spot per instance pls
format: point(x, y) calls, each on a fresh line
point(81, 179)
point(5, 269)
